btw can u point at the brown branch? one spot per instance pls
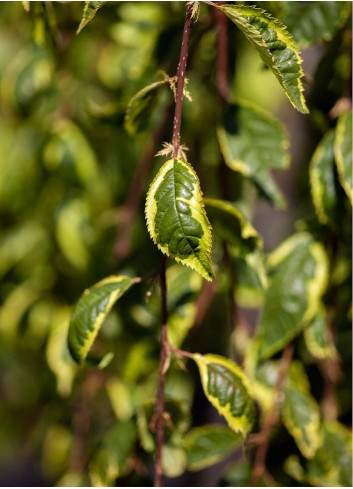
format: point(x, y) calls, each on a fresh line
point(271, 419)
point(163, 284)
point(181, 79)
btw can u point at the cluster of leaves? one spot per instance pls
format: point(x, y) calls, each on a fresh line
point(63, 183)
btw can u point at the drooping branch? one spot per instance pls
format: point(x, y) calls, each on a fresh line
point(159, 413)
point(271, 419)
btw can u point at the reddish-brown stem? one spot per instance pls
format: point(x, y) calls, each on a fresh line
point(271, 419)
point(164, 337)
point(181, 79)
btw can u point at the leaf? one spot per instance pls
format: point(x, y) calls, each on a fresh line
point(300, 411)
point(89, 11)
point(26, 6)
point(207, 445)
point(176, 218)
point(298, 278)
point(91, 310)
point(173, 460)
point(310, 22)
point(343, 152)
point(275, 46)
point(332, 464)
point(317, 339)
point(252, 143)
point(109, 461)
point(322, 180)
point(141, 103)
point(231, 225)
point(251, 280)
point(226, 387)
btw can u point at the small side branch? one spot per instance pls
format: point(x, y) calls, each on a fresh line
point(272, 419)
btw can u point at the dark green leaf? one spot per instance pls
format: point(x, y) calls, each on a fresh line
point(275, 46)
point(176, 218)
point(298, 277)
point(252, 143)
point(343, 152)
point(89, 11)
point(317, 338)
point(209, 444)
point(227, 388)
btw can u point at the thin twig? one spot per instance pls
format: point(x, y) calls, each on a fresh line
point(164, 337)
point(271, 419)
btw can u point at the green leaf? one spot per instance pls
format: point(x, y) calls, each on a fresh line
point(173, 460)
point(343, 152)
point(207, 445)
point(176, 218)
point(252, 143)
point(227, 388)
point(91, 310)
point(89, 11)
point(310, 22)
point(251, 278)
point(109, 460)
point(298, 278)
point(322, 180)
point(141, 103)
point(300, 411)
point(275, 46)
point(317, 337)
point(332, 464)
point(232, 226)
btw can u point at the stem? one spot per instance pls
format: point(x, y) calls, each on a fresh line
point(181, 79)
point(161, 381)
point(272, 418)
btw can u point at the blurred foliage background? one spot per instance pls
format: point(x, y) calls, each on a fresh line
point(67, 161)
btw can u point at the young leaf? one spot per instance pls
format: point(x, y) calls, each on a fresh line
point(275, 46)
point(226, 387)
point(91, 310)
point(231, 225)
point(89, 11)
point(322, 180)
point(300, 411)
point(252, 143)
point(139, 104)
point(343, 152)
point(176, 218)
point(297, 281)
point(332, 464)
point(317, 339)
point(310, 22)
point(207, 445)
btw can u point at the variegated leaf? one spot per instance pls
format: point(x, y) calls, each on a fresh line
point(322, 180)
point(176, 218)
point(253, 142)
point(343, 152)
point(275, 46)
point(297, 281)
point(317, 337)
point(89, 11)
point(300, 411)
point(91, 310)
point(226, 387)
point(207, 445)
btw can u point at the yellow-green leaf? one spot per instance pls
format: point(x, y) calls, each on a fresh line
point(176, 218)
point(89, 11)
point(227, 388)
point(343, 152)
point(91, 310)
point(275, 46)
point(317, 337)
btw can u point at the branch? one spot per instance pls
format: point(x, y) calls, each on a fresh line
point(271, 419)
point(181, 78)
point(163, 283)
